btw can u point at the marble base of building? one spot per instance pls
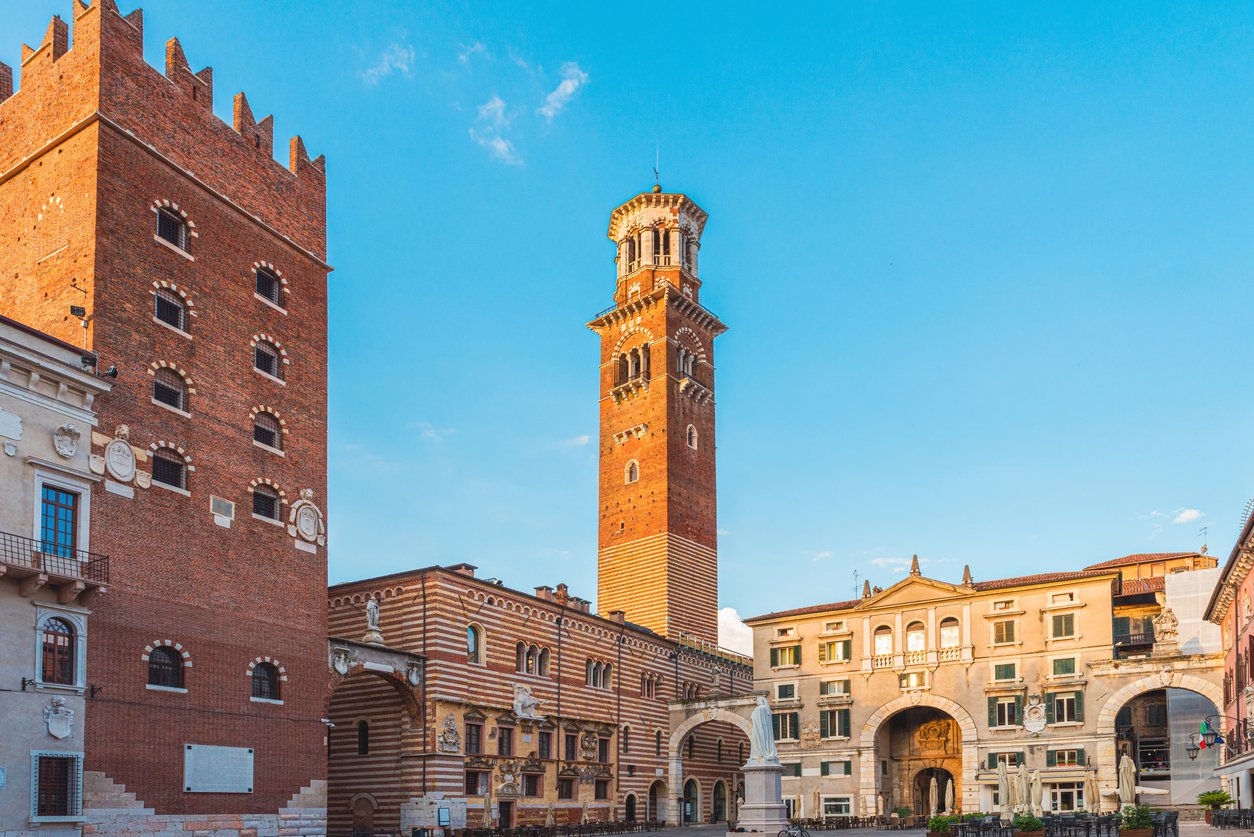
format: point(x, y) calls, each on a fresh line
point(763, 809)
point(109, 809)
point(434, 811)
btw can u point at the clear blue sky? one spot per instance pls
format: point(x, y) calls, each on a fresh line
point(987, 269)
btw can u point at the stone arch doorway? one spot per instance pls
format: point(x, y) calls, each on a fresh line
point(692, 802)
point(695, 755)
point(925, 803)
point(629, 808)
point(363, 806)
point(718, 802)
point(656, 807)
point(913, 733)
point(1149, 720)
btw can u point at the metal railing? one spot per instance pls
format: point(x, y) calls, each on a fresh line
point(36, 555)
point(1142, 637)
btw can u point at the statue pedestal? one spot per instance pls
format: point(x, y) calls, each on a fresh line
point(763, 809)
point(372, 637)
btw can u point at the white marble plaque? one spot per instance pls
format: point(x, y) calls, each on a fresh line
point(208, 769)
point(10, 425)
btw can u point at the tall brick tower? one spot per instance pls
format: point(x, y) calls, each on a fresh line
point(136, 223)
point(658, 541)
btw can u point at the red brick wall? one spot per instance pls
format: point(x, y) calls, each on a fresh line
point(227, 595)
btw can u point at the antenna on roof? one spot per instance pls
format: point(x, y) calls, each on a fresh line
point(855, 584)
point(1245, 513)
point(657, 164)
point(1203, 532)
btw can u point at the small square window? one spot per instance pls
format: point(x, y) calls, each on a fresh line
point(565, 788)
point(169, 469)
point(172, 228)
point(1003, 604)
point(1004, 671)
point(786, 691)
point(1064, 666)
point(169, 309)
point(268, 286)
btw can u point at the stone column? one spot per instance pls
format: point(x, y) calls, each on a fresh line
point(867, 649)
point(932, 642)
point(675, 816)
point(967, 649)
point(899, 644)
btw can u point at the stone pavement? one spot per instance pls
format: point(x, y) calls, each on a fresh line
point(1194, 828)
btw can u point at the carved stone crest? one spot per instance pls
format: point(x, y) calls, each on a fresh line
point(59, 718)
point(304, 521)
point(1166, 625)
point(341, 661)
point(65, 440)
point(588, 746)
point(934, 736)
point(449, 740)
point(118, 456)
point(1034, 715)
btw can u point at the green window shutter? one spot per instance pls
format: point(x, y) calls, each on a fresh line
point(992, 761)
point(797, 655)
point(1049, 709)
point(846, 768)
point(1018, 710)
point(1079, 705)
point(1079, 757)
point(847, 645)
point(992, 712)
point(843, 717)
point(774, 657)
point(822, 652)
point(796, 729)
point(825, 728)
point(775, 720)
point(1022, 757)
point(1051, 758)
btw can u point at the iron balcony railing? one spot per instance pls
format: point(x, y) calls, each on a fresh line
point(41, 557)
point(1142, 637)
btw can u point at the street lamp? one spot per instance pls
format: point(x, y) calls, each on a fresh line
point(1192, 748)
point(1210, 736)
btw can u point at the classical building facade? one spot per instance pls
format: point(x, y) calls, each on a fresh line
point(49, 576)
point(140, 226)
point(532, 708)
point(877, 698)
point(1231, 607)
point(657, 509)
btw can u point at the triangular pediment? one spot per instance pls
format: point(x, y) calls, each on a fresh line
point(914, 590)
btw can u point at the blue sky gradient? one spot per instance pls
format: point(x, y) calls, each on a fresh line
point(986, 267)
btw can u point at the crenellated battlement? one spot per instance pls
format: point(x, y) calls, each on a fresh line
point(103, 38)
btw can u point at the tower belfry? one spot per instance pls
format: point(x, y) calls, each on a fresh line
point(657, 535)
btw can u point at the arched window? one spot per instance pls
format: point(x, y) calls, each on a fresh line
point(663, 257)
point(633, 363)
point(268, 286)
point(680, 354)
point(597, 671)
point(169, 388)
point(632, 254)
point(172, 228)
point(170, 309)
point(165, 667)
point(632, 472)
point(266, 681)
point(916, 637)
point(657, 743)
point(622, 369)
point(543, 665)
point(266, 502)
point(657, 246)
point(168, 468)
point(625, 738)
point(692, 437)
point(267, 430)
point(57, 664)
point(607, 676)
point(949, 633)
point(474, 644)
point(266, 359)
point(363, 738)
point(883, 640)
point(533, 655)
point(520, 657)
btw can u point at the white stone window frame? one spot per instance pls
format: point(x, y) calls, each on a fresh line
point(693, 437)
point(188, 467)
point(481, 641)
point(77, 619)
point(166, 643)
point(1002, 661)
point(1075, 636)
point(787, 633)
point(189, 227)
point(922, 675)
point(189, 386)
point(1004, 699)
point(282, 679)
point(81, 487)
point(280, 354)
point(844, 799)
point(76, 785)
point(1012, 606)
point(776, 696)
point(1073, 602)
point(992, 631)
point(278, 417)
point(189, 306)
point(627, 472)
point(841, 627)
point(844, 693)
point(1076, 675)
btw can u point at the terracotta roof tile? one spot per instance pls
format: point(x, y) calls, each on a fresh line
point(1139, 558)
point(1040, 578)
point(801, 611)
point(1137, 586)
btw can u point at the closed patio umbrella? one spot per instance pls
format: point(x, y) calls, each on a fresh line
point(1092, 800)
point(949, 796)
point(487, 808)
point(1127, 781)
point(1003, 790)
point(1038, 800)
point(933, 797)
point(550, 816)
point(1023, 793)
point(583, 817)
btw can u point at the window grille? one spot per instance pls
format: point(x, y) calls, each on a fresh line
point(165, 667)
point(169, 309)
point(172, 228)
point(268, 285)
point(267, 430)
point(266, 502)
point(266, 681)
point(169, 388)
point(266, 359)
point(56, 780)
point(169, 469)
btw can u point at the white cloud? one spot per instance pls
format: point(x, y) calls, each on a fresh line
point(489, 132)
point(1186, 515)
point(733, 633)
point(897, 565)
point(821, 555)
point(577, 441)
point(469, 52)
point(430, 432)
point(397, 58)
point(722, 533)
point(573, 78)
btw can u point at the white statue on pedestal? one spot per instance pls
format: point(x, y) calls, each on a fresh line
point(762, 735)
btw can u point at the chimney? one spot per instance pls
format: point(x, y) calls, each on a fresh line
point(464, 569)
point(544, 592)
point(562, 595)
point(618, 616)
